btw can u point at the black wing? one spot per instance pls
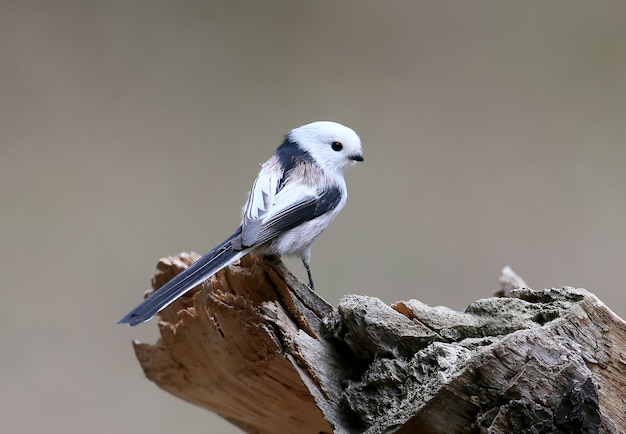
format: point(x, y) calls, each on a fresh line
point(300, 212)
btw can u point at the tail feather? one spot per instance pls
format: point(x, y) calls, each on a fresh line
point(218, 258)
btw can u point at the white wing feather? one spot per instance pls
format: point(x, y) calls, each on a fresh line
point(258, 206)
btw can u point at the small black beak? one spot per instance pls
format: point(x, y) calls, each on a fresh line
point(356, 157)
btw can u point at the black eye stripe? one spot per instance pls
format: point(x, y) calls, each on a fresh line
point(337, 146)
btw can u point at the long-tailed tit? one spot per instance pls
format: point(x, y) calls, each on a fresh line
point(298, 193)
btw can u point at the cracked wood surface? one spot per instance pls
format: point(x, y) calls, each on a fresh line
point(256, 346)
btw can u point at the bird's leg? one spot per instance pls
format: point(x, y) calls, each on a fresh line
point(308, 271)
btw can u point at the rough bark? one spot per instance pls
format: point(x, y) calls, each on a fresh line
point(256, 346)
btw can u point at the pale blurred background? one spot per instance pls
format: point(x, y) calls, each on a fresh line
point(494, 133)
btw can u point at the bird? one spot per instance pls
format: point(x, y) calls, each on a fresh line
point(297, 194)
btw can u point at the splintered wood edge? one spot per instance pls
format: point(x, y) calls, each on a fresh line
point(222, 354)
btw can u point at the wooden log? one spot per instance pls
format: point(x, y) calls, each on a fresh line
point(256, 346)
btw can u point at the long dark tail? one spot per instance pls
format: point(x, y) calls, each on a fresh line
point(218, 258)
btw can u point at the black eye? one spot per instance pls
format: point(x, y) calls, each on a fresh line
point(337, 146)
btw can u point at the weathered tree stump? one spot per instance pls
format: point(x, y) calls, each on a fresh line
point(256, 346)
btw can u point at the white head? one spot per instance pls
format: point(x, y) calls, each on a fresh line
point(334, 147)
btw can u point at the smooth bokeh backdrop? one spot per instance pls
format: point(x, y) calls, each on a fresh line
point(494, 133)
